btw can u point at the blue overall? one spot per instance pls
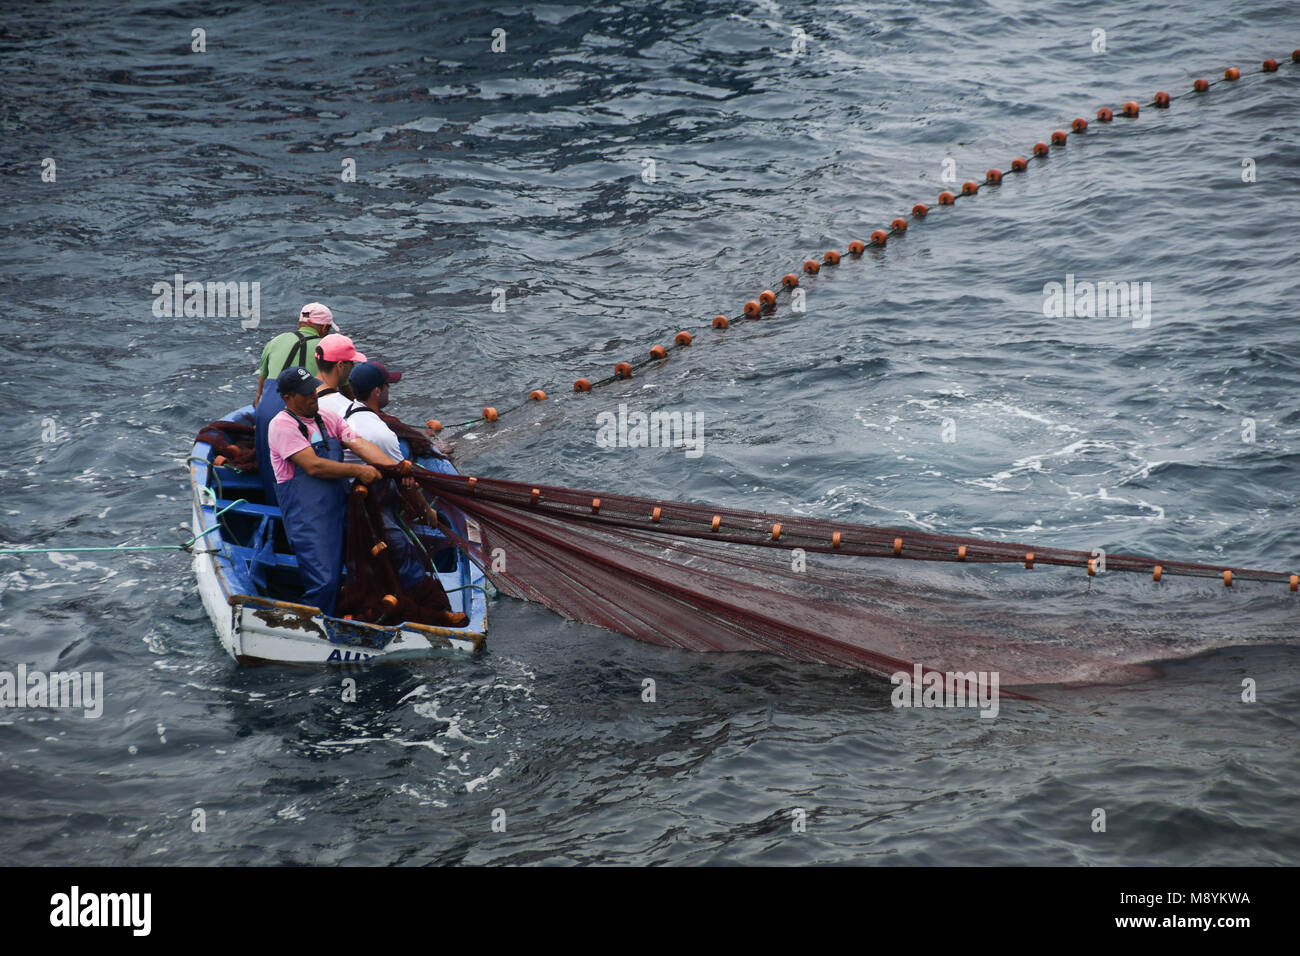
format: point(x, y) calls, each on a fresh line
point(271, 404)
point(314, 511)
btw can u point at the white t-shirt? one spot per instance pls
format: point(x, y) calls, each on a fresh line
point(335, 402)
point(369, 426)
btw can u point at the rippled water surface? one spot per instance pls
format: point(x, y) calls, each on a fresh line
point(526, 170)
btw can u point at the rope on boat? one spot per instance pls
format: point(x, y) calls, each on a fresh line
point(767, 301)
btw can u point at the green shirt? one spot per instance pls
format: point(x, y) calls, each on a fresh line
point(279, 352)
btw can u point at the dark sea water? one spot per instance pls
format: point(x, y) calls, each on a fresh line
point(523, 170)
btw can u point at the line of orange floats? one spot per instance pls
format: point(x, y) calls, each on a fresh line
point(754, 308)
point(837, 540)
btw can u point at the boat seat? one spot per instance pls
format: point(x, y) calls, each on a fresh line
point(252, 554)
point(245, 508)
point(230, 480)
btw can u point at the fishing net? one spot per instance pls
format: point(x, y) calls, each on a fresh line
point(372, 590)
point(715, 579)
point(232, 444)
point(704, 578)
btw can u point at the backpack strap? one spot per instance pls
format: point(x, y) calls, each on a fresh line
point(298, 354)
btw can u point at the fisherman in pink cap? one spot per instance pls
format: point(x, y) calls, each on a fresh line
point(297, 347)
point(335, 356)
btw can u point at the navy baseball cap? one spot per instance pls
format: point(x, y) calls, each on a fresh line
point(296, 380)
point(368, 376)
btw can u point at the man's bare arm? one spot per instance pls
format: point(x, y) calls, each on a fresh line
point(319, 467)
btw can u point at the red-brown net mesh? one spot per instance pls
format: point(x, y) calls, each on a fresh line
point(660, 572)
point(372, 590)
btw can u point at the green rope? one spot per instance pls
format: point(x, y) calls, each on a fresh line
point(474, 587)
point(412, 535)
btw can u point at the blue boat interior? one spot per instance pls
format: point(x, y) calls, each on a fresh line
point(250, 543)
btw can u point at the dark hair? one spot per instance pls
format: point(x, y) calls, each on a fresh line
point(323, 365)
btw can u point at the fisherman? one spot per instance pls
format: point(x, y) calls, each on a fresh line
point(336, 356)
point(370, 381)
point(306, 449)
point(297, 347)
point(289, 349)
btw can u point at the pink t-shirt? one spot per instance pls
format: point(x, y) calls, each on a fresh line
point(285, 440)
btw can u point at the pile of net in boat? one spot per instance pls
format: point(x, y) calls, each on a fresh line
point(717, 579)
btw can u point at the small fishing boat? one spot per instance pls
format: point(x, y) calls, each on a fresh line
point(248, 577)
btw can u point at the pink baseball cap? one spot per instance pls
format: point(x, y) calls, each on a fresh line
point(316, 314)
point(338, 348)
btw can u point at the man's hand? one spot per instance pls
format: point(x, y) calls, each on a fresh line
point(368, 474)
